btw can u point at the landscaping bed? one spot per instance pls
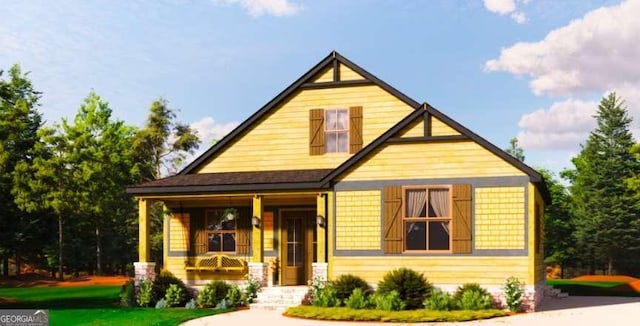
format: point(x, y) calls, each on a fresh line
point(599, 285)
point(403, 316)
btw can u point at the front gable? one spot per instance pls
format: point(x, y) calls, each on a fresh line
point(280, 136)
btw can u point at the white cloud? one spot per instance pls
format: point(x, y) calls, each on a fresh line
point(563, 126)
point(208, 130)
point(257, 8)
point(519, 17)
point(591, 54)
point(501, 7)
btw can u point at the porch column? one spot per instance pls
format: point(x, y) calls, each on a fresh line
point(320, 265)
point(258, 269)
point(143, 268)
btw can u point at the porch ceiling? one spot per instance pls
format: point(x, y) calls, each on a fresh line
point(233, 182)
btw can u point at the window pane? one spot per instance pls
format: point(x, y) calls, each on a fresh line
point(213, 223)
point(290, 253)
point(343, 120)
point(331, 122)
point(439, 235)
point(343, 142)
point(439, 203)
point(415, 235)
point(228, 242)
point(416, 203)
point(229, 225)
point(215, 242)
point(330, 142)
point(298, 254)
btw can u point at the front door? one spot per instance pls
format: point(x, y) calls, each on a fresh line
point(298, 231)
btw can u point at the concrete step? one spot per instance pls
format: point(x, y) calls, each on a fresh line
point(279, 298)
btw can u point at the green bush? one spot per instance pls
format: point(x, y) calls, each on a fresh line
point(514, 292)
point(346, 283)
point(412, 286)
point(390, 301)
point(128, 294)
point(326, 297)
point(145, 293)
point(357, 300)
point(191, 304)
point(440, 301)
point(457, 296)
point(161, 304)
point(475, 300)
point(234, 296)
point(174, 295)
point(213, 293)
point(162, 283)
point(251, 290)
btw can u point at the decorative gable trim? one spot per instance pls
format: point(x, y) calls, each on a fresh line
point(334, 59)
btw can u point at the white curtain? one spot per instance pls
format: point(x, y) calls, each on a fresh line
point(439, 201)
point(416, 201)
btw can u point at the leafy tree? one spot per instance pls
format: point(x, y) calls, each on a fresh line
point(605, 211)
point(19, 122)
point(559, 243)
point(515, 150)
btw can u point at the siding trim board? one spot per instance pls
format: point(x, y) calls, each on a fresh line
point(428, 139)
point(475, 182)
point(475, 253)
point(337, 84)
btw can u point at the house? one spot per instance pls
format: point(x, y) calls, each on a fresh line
point(342, 173)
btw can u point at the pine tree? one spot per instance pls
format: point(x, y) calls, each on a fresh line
point(604, 209)
point(515, 150)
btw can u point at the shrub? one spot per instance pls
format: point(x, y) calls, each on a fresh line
point(315, 286)
point(326, 297)
point(145, 293)
point(223, 304)
point(513, 291)
point(475, 300)
point(213, 293)
point(128, 294)
point(174, 295)
point(457, 296)
point(161, 304)
point(346, 283)
point(390, 301)
point(191, 304)
point(440, 301)
point(412, 286)
point(252, 288)
point(234, 296)
point(162, 283)
point(357, 300)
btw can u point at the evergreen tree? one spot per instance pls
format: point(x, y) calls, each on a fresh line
point(515, 150)
point(605, 211)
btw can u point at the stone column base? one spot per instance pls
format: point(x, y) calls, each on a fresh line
point(144, 271)
point(320, 271)
point(260, 272)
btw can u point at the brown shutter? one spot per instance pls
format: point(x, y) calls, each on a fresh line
point(198, 232)
point(461, 219)
point(355, 129)
point(393, 220)
point(316, 132)
point(243, 231)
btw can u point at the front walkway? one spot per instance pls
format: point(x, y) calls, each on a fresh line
point(609, 311)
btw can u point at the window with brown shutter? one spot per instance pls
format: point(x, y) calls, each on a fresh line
point(355, 129)
point(392, 219)
point(316, 132)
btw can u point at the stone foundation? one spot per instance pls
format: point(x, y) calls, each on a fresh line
point(144, 271)
point(319, 271)
point(259, 272)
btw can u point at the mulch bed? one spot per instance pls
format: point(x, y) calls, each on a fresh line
point(606, 278)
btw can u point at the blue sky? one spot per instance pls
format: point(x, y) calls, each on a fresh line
point(534, 69)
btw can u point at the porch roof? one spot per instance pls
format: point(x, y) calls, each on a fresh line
point(233, 181)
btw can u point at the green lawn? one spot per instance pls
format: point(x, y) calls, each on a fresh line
point(593, 288)
point(93, 305)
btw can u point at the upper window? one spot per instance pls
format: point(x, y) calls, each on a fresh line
point(427, 218)
point(336, 131)
point(221, 232)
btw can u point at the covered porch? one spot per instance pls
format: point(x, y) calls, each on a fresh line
point(277, 238)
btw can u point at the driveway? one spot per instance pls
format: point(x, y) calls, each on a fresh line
point(609, 311)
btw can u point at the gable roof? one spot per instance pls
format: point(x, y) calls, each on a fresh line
point(332, 60)
point(535, 177)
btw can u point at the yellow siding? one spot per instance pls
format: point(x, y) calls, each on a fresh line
point(179, 232)
point(415, 129)
point(325, 76)
point(281, 140)
point(357, 220)
point(439, 270)
point(499, 218)
point(439, 128)
point(347, 74)
point(431, 160)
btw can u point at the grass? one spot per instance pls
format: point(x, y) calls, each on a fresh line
point(595, 288)
point(93, 305)
point(405, 316)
